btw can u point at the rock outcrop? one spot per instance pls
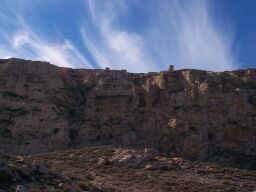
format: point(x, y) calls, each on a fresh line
point(198, 115)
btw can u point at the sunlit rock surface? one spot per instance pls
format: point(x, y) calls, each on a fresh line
point(193, 114)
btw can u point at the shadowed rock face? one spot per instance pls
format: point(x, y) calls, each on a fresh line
point(194, 114)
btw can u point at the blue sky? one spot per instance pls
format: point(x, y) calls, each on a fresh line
point(137, 35)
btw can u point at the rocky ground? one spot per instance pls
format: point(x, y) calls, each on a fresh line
point(112, 169)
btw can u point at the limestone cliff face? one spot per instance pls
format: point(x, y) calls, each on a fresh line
point(190, 113)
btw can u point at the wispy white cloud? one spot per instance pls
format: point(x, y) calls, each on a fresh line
point(182, 33)
point(22, 42)
point(26, 45)
point(5, 53)
point(92, 9)
point(63, 54)
point(195, 41)
point(114, 47)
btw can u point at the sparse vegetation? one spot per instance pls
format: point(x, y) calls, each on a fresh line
point(4, 131)
point(66, 171)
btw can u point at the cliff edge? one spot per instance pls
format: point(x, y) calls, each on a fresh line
point(198, 115)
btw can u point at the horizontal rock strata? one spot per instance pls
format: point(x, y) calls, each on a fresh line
point(198, 115)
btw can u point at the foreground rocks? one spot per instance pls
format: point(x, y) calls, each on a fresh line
point(197, 115)
point(22, 176)
point(110, 169)
point(27, 174)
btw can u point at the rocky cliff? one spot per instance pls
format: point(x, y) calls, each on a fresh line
point(198, 115)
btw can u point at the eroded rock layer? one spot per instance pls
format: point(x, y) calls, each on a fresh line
point(198, 115)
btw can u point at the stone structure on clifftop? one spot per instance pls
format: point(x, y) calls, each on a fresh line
point(189, 113)
point(171, 68)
